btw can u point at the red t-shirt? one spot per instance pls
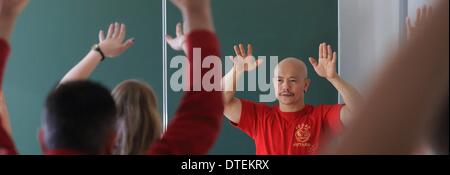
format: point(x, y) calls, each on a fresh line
point(289, 133)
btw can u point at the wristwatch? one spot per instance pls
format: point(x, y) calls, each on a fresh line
point(97, 48)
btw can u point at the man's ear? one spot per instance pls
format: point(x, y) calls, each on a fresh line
point(307, 84)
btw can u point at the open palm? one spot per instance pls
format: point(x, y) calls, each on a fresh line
point(114, 44)
point(326, 66)
point(177, 43)
point(423, 15)
point(245, 61)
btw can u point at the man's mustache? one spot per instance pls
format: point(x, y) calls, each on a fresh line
point(287, 94)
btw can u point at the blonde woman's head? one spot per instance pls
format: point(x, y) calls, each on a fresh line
point(139, 119)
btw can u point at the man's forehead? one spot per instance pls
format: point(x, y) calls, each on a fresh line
point(288, 71)
point(287, 76)
point(291, 67)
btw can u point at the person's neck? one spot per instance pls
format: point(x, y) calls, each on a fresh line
point(293, 107)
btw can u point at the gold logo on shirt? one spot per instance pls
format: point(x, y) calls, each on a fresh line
point(302, 135)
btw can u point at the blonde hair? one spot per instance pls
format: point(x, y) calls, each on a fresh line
point(139, 119)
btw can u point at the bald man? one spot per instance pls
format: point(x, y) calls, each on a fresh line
point(292, 127)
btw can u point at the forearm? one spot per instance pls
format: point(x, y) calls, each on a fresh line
point(4, 115)
point(352, 98)
point(6, 26)
point(198, 19)
point(84, 69)
point(192, 126)
point(229, 82)
point(7, 146)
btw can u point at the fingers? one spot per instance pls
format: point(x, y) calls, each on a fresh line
point(422, 15)
point(334, 59)
point(325, 51)
point(408, 24)
point(321, 50)
point(116, 30)
point(313, 61)
point(424, 12)
point(237, 51)
point(169, 38)
point(128, 44)
point(242, 49)
point(329, 52)
point(110, 30)
point(122, 32)
point(250, 50)
point(101, 36)
point(419, 15)
point(179, 30)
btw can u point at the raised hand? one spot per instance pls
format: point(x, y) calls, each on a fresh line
point(245, 61)
point(178, 42)
point(422, 17)
point(326, 66)
point(113, 44)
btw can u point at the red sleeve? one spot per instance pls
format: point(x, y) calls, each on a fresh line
point(4, 53)
point(251, 112)
point(6, 143)
point(332, 118)
point(197, 122)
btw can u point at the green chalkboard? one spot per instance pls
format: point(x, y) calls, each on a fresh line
point(283, 28)
point(51, 36)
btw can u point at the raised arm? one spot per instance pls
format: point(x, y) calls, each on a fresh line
point(326, 68)
point(9, 11)
point(194, 129)
point(4, 114)
point(243, 62)
point(110, 46)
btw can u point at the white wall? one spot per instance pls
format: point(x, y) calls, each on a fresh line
point(368, 31)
